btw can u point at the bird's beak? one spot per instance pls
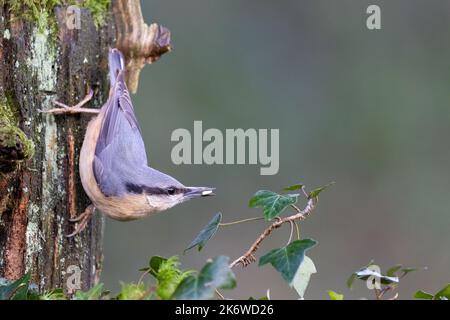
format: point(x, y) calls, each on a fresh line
point(194, 192)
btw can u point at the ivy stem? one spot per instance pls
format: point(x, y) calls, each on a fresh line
point(291, 233)
point(297, 229)
point(143, 275)
point(378, 294)
point(240, 221)
point(305, 193)
point(249, 257)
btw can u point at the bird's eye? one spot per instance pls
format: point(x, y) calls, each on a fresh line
point(171, 191)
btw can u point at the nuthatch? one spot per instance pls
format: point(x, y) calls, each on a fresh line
point(113, 161)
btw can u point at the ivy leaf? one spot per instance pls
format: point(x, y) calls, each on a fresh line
point(207, 233)
point(335, 296)
point(215, 274)
point(294, 187)
point(443, 293)
point(303, 275)
point(315, 193)
point(95, 293)
point(364, 274)
point(408, 270)
point(17, 290)
point(273, 203)
point(423, 295)
point(393, 270)
point(153, 265)
point(353, 276)
point(351, 280)
point(133, 291)
point(288, 259)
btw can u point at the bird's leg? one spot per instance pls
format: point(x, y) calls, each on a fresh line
point(65, 109)
point(82, 220)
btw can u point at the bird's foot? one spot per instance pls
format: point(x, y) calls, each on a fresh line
point(78, 108)
point(82, 220)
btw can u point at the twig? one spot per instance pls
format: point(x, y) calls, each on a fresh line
point(249, 257)
point(239, 221)
point(220, 295)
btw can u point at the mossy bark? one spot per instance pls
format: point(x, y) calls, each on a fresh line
point(39, 182)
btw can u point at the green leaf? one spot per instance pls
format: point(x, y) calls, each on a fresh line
point(393, 270)
point(133, 291)
point(364, 274)
point(215, 274)
point(408, 270)
point(95, 293)
point(55, 294)
point(288, 259)
point(303, 275)
point(155, 262)
point(335, 296)
point(353, 276)
point(423, 295)
point(17, 290)
point(207, 233)
point(261, 298)
point(153, 265)
point(273, 203)
point(443, 293)
point(294, 187)
point(315, 193)
point(351, 280)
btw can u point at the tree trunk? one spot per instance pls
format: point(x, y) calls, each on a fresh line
point(47, 53)
point(41, 60)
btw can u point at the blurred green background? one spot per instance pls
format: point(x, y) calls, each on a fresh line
point(367, 109)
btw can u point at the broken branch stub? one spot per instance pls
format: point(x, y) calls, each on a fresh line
point(140, 43)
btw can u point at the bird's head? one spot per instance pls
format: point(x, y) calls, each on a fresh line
point(163, 192)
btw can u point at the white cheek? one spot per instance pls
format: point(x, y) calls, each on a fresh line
point(158, 203)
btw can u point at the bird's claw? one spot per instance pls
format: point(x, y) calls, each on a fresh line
point(66, 109)
point(81, 221)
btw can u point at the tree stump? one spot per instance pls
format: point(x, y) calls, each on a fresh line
point(42, 59)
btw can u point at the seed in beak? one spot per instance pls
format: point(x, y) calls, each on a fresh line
point(205, 193)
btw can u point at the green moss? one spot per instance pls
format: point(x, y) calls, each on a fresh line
point(169, 277)
point(40, 11)
point(99, 10)
point(7, 115)
point(10, 134)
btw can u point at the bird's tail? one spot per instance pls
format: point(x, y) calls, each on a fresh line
point(116, 65)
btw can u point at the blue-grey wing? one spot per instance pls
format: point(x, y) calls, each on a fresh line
point(120, 155)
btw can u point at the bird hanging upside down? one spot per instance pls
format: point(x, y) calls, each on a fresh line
point(113, 162)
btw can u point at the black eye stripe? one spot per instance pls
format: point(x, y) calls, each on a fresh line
point(139, 189)
point(134, 188)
